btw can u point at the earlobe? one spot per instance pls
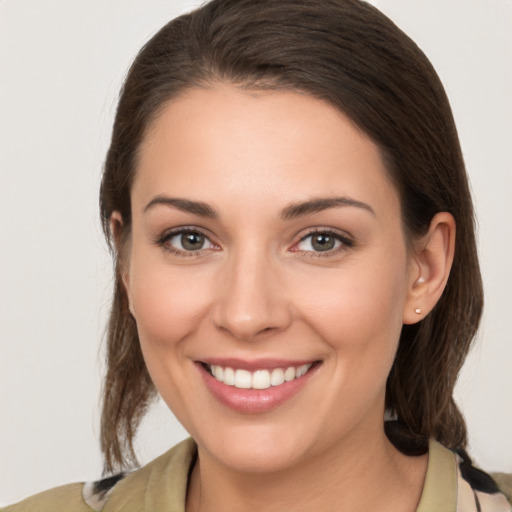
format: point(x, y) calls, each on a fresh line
point(432, 259)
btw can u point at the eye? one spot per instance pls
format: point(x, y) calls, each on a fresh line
point(322, 242)
point(185, 241)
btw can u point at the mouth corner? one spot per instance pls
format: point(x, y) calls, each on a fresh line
point(204, 365)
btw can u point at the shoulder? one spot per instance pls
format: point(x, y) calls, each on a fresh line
point(485, 492)
point(161, 484)
point(504, 481)
point(162, 481)
point(453, 483)
point(67, 498)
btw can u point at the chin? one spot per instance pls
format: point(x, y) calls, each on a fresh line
point(256, 458)
point(257, 448)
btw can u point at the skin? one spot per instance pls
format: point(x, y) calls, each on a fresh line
point(259, 289)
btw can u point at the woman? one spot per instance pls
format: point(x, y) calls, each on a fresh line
point(295, 254)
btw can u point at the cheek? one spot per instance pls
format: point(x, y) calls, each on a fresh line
point(358, 309)
point(358, 314)
point(167, 301)
point(168, 304)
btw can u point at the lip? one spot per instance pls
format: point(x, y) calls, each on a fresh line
point(254, 401)
point(256, 364)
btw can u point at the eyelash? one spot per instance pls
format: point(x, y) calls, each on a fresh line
point(345, 243)
point(344, 240)
point(163, 241)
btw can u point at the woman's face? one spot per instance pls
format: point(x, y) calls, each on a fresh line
point(267, 242)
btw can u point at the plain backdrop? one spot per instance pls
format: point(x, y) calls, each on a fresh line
point(61, 66)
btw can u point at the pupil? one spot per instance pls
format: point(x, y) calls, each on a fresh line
point(323, 242)
point(192, 241)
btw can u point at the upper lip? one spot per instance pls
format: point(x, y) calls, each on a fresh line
point(255, 364)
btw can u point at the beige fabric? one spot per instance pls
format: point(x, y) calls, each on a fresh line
point(504, 481)
point(440, 487)
point(67, 498)
point(162, 485)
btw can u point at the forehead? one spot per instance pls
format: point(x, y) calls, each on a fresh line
point(225, 142)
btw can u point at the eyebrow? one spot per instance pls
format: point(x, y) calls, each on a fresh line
point(295, 210)
point(186, 205)
point(291, 211)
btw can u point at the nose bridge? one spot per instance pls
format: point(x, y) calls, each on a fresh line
point(251, 299)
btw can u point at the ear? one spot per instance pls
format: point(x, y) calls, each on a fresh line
point(116, 228)
point(430, 264)
point(116, 231)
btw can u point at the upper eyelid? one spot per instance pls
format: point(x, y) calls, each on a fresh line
point(169, 233)
point(331, 231)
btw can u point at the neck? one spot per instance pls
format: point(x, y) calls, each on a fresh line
point(361, 473)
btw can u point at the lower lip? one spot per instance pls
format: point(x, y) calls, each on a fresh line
point(252, 401)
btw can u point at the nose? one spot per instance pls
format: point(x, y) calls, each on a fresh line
point(251, 298)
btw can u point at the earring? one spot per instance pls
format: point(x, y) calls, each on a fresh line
point(417, 311)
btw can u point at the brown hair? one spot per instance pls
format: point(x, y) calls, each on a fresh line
point(349, 54)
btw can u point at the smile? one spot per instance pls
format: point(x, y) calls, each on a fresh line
point(257, 386)
point(259, 379)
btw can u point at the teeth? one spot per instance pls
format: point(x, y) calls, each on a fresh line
point(260, 379)
point(277, 377)
point(218, 372)
point(301, 370)
point(289, 374)
point(229, 376)
point(243, 379)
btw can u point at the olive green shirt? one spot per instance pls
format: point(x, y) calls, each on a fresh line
point(161, 486)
